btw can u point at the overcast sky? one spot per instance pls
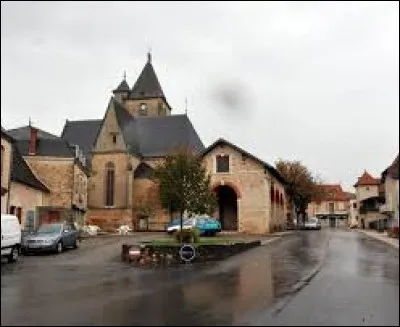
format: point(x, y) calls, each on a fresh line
point(310, 81)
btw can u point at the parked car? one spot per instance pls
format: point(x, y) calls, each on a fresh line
point(312, 223)
point(51, 237)
point(205, 224)
point(10, 237)
point(175, 225)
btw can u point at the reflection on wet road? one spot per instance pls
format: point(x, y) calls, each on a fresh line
point(244, 288)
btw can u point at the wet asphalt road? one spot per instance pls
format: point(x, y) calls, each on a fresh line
point(309, 278)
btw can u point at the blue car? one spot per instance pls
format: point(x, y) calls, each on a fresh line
point(205, 224)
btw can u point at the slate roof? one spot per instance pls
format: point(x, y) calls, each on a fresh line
point(157, 136)
point(392, 170)
point(23, 174)
point(47, 147)
point(266, 165)
point(6, 135)
point(147, 84)
point(82, 133)
point(144, 136)
point(24, 132)
point(122, 87)
point(366, 179)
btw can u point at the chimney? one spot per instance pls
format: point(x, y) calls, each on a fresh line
point(33, 141)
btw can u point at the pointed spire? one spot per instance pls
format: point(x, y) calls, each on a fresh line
point(123, 86)
point(147, 84)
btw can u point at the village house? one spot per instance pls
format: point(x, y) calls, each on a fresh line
point(61, 171)
point(390, 180)
point(25, 191)
point(370, 195)
point(333, 207)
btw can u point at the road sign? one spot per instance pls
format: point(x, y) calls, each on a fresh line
point(187, 252)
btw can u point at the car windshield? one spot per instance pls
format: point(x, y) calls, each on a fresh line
point(49, 229)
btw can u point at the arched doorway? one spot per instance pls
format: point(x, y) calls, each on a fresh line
point(227, 207)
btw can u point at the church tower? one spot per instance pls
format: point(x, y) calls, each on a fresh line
point(147, 97)
point(122, 91)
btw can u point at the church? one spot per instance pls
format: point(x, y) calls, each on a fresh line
point(137, 131)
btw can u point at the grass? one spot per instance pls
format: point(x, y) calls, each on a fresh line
point(167, 241)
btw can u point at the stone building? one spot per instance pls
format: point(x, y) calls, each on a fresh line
point(370, 195)
point(122, 149)
point(136, 133)
point(60, 168)
point(250, 192)
point(333, 208)
point(27, 192)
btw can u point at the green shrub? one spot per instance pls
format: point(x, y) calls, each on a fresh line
point(188, 235)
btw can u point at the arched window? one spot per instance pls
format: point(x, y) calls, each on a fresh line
point(110, 184)
point(272, 193)
point(277, 196)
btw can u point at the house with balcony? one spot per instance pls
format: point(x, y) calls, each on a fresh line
point(332, 207)
point(390, 208)
point(370, 195)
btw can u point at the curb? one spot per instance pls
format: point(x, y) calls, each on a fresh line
point(393, 245)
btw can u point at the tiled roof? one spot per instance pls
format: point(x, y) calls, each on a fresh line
point(334, 192)
point(366, 179)
point(266, 165)
point(350, 195)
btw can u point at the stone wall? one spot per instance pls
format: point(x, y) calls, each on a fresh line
point(58, 176)
point(252, 184)
point(155, 107)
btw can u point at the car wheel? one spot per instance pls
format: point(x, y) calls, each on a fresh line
point(13, 257)
point(59, 247)
point(76, 243)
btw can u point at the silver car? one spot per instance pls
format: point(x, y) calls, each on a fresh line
point(51, 237)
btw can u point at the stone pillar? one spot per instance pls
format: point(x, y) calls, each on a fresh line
point(239, 215)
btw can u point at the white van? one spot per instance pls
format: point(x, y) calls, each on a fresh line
point(10, 237)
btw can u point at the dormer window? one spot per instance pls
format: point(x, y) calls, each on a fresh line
point(143, 109)
point(114, 139)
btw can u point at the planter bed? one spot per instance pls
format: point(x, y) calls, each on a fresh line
point(157, 254)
